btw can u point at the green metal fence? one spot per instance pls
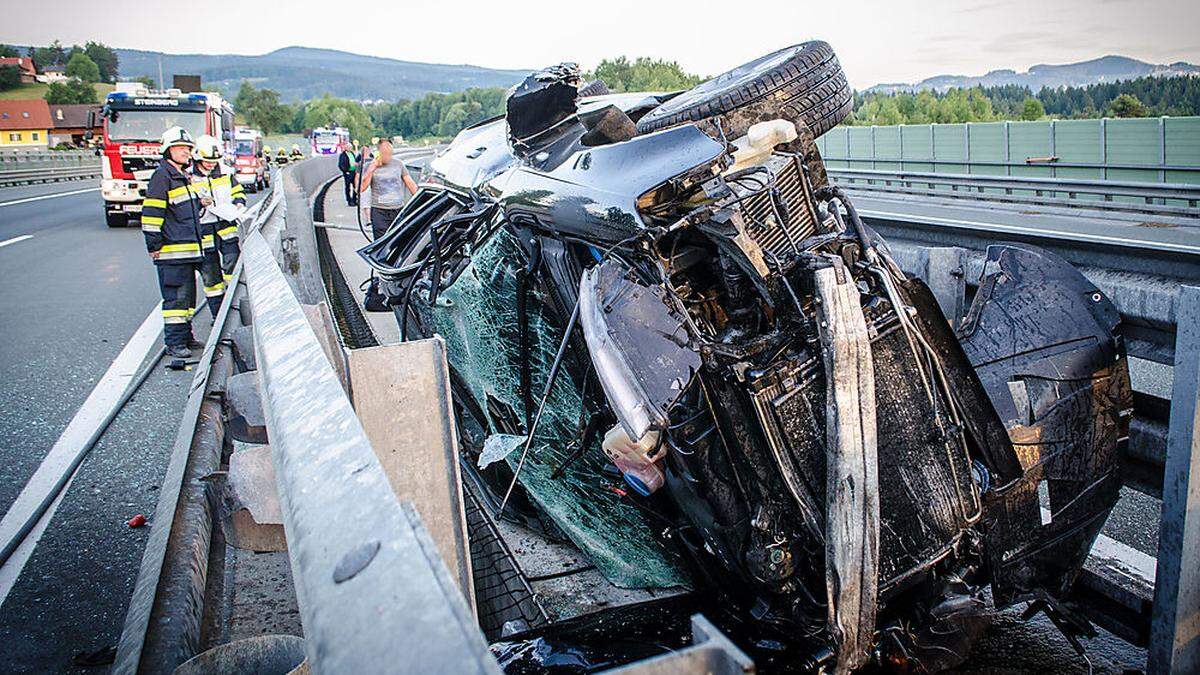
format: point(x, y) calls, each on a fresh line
point(1160, 149)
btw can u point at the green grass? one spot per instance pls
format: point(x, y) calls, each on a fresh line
point(38, 90)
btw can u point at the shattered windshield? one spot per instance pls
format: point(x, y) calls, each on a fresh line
point(477, 317)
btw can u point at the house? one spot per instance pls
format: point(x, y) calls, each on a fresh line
point(24, 124)
point(52, 74)
point(69, 123)
point(24, 64)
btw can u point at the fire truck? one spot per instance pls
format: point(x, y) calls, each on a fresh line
point(251, 168)
point(134, 119)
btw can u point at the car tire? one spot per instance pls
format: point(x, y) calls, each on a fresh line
point(804, 82)
point(594, 88)
point(116, 219)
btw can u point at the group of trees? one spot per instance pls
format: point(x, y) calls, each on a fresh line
point(262, 109)
point(1141, 97)
point(84, 66)
point(642, 74)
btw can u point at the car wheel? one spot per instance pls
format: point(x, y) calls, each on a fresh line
point(594, 88)
point(804, 83)
point(116, 219)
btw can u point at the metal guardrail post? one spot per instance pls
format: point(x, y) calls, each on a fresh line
point(1175, 624)
point(1104, 148)
point(1162, 148)
point(372, 592)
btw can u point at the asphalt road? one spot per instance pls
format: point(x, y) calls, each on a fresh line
point(74, 292)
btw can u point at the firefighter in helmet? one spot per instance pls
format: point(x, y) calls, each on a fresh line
point(296, 155)
point(214, 179)
point(281, 156)
point(171, 214)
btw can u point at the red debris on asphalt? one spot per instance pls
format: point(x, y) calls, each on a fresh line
point(136, 521)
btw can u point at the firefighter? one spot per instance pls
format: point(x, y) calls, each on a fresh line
point(214, 179)
point(281, 156)
point(296, 155)
point(171, 214)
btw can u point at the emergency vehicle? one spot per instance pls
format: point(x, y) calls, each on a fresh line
point(134, 118)
point(329, 141)
point(251, 168)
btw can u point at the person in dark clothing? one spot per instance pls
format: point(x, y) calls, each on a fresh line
point(348, 165)
point(171, 214)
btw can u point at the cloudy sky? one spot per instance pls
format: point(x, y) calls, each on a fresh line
point(896, 40)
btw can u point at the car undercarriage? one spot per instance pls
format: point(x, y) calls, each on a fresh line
point(675, 343)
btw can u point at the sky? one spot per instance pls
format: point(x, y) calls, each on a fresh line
point(895, 41)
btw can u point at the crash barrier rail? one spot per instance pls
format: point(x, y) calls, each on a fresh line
point(49, 175)
point(1159, 198)
point(32, 159)
point(1157, 149)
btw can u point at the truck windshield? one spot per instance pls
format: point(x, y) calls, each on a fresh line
point(244, 148)
point(149, 125)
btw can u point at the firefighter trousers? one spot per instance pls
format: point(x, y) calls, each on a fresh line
point(213, 280)
point(177, 283)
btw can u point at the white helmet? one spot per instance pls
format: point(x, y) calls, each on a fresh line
point(208, 149)
point(175, 136)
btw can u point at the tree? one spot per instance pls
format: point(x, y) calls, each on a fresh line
point(8, 51)
point(83, 68)
point(1033, 109)
point(10, 77)
point(71, 91)
point(54, 55)
point(261, 108)
point(105, 58)
point(146, 80)
point(1127, 105)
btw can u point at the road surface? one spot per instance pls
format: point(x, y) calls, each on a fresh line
point(74, 292)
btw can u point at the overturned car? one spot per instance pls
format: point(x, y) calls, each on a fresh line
point(667, 290)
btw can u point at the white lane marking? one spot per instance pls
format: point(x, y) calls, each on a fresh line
point(14, 240)
point(58, 468)
point(56, 194)
point(1016, 229)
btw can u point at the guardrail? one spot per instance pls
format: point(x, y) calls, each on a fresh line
point(28, 159)
point(9, 178)
point(1157, 198)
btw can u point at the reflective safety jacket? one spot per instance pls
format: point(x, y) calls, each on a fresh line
point(171, 215)
point(220, 186)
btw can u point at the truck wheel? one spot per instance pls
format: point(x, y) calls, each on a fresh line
point(803, 82)
point(116, 219)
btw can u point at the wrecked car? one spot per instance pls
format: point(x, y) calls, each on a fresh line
point(667, 290)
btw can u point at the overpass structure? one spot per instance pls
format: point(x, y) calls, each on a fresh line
point(380, 577)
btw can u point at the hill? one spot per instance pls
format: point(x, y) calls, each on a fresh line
point(1105, 69)
point(301, 73)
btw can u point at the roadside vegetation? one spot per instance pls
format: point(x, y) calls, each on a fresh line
point(1142, 97)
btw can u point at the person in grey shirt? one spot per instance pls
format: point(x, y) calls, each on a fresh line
point(390, 185)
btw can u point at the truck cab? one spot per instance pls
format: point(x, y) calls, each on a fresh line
point(250, 167)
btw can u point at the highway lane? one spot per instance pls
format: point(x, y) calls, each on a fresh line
point(74, 293)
